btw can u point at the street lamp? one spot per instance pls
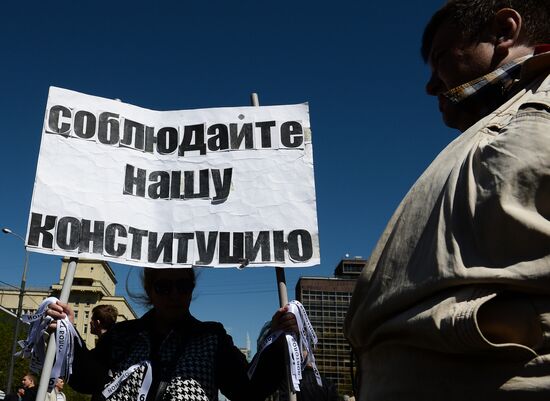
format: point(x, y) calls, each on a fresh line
point(19, 309)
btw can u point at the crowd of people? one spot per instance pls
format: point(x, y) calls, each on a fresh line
point(29, 387)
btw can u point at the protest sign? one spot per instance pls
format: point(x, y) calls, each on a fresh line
point(219, 187)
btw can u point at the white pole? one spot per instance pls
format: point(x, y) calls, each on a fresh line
point(50, 352)
point(280, 273)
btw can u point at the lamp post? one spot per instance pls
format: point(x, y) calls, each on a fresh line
point(19, 309)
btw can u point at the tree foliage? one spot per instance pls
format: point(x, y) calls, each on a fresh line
point(7, 325)
point(21, 366)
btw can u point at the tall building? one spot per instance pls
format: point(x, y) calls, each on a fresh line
point(246, 350)
point(93, 284)
point(326, 300)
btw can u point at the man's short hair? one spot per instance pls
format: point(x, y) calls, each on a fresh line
point(471, 18)
point(106, 314)
point(31, 377)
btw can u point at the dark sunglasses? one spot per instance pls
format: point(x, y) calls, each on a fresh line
point(165, 287)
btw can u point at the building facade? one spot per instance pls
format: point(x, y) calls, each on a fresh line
point(93, 284)
point(326, 300)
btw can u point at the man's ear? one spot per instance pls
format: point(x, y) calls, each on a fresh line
point(506, 30)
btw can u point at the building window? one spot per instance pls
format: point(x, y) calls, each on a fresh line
point(86, 314)
point(85, 328)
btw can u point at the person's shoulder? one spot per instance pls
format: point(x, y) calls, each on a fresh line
point(132, 325)
point(538, 86)
point(127, 324)
point(121, 332)
point(209, 326)
point(30, 393)
point(121, 329)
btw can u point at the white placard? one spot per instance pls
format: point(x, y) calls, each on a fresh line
point(219, 187)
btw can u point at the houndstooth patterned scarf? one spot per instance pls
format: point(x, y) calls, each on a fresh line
point(188, 367)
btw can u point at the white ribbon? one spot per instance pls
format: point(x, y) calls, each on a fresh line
point(34, 346)
point(295, 361)
point(308, 338)
point(296, 349)
point(112, 387)
point(305, 319)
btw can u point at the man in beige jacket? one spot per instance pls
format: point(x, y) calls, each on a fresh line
point(57, 393)
point(454, 303)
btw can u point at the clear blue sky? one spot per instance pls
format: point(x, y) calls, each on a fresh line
point(356, 63)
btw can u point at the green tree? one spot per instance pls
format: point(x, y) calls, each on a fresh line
point(7, 325)
point(21, 367)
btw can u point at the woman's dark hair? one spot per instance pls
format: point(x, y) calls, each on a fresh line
point(472, 17)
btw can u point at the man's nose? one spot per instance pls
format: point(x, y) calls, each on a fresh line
point(434, 86)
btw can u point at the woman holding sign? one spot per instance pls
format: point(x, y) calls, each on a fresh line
point(169, 355)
